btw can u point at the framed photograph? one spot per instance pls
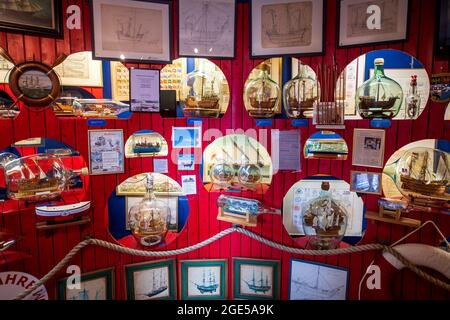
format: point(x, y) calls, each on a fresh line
point(97, 285)
point(186, 137)
point(203, 279)
point(80, 70)
point(368, 148)
point(256, 279)
point(154, 280)
point(144, 90)
point(135, 31)
point(120, 81)
point(365, 182)
point(206, 28)
point(106, 151)
point(443, 28)
point(171, 202)
point(316, 281)
point(42, 17)
point(358, 23)
point(293, 27)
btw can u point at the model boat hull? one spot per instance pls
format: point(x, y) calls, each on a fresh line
point(63, 211)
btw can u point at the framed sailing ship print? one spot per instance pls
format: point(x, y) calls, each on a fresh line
point(203, 279)
point(153, 280)
point(256, 279)
point(41, 17)
point(293, 27)
point(135, 31)
point(315, 281)
point(96, 285)
point(207, 28)
point(376, 21)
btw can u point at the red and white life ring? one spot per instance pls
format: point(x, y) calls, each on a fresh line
point(419, 254)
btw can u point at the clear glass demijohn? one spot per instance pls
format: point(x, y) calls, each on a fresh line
point(380, 96)
point(149, 219)
point(324, 220)
point(262, 94)
point(300, 93)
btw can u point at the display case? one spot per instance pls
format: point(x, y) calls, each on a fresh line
point(90, 108)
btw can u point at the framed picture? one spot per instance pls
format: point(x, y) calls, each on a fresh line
point(365, 182)
point(293, 27)
point(135, 31)
point(171, 202)
point(256, 279)
point(97, 285)
point(144, 90)
point(315, 281)
point(203, 279)
point(206, 28)
point(120, 81)
point(136, 186)
point(368, 148)
point(443, 28)
point(361, 23)
point(41, 17)
point(440, 87)
point(106, 151)
point(80, 70)
point(154, 280)
point(186, 137)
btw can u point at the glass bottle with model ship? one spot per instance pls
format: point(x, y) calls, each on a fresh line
point(413, 100)
point(422, 175)
point(222, 170)
point(380, 96)
point(203, 92)
point(262, 94)
point(243, 206)
point(39, 177)
point(149, 219)
point(249, 174)
point(324, 220)
point(300, 93)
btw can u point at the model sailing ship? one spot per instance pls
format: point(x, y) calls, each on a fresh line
point(206, 103)
point(208, 285)
point(146, 144)
point(157, 287)
point(314, 291)
point(259, 285)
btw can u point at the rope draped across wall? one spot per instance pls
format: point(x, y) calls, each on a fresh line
point(144, 253)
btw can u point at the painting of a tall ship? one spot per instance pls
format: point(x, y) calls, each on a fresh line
point(260, 284)
point(35, 84)
point(208, 284)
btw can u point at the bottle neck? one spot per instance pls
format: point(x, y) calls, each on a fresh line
point(379, 70)
point(150, 193)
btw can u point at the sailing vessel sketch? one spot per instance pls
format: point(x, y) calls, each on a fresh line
point(90, 290)
point(207, 27)
point(357, 18)
point(84, 294)
point(316, 282)
point(256, 280)
point(286, 25)
point(260, 284)
point(208, 283)
point(157, 287)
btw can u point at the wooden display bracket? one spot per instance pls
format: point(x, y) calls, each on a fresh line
point(248, 220)
point(50, 225)
point(392, 216)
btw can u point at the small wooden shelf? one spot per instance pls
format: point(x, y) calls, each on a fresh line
point(394, 220)
point(45, 225)
point(247, 220)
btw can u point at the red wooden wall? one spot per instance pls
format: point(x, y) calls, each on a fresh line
point(47, 248)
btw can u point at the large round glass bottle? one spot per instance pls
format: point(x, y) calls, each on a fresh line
point(324, 220)
point(262, 94)
point(300, 93)
point(221, 173)
point(380, 96)
point(249, 174)
point(149, 219)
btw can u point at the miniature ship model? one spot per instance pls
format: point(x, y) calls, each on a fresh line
point(303, 108)
point(205, 103)
point(418, 179)
point(157, 288)
point(209, 285)
point(376, 107)
point(259, 285)
point(144, 144)
point(261, 106)
point(326, 219)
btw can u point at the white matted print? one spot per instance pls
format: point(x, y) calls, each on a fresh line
point(106, 151)
point(186, 137)
point(203, 281)
point(256, 280)
point(313, 281)
point(368, 148)
point(151, 284)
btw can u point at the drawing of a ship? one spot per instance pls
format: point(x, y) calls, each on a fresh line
point(199, 33)
point(84, 295)
point(419, 179)
point(21, 8)
point(208, 284)
point(159, 287)
point(314, 291)
point(259, 285)
point(130, 31)
point(295, 32)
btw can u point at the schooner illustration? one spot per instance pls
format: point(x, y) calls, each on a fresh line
point(317, 291)
point(208, 283)
point(157, 286)
point(261, 285)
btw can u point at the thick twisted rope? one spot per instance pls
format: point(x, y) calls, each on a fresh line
point(144, 253)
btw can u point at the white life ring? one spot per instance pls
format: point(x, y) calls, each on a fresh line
point(419, 254)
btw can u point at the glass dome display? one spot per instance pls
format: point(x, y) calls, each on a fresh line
point(205, 90)
point(38, 177)
point(149, 219)
point(324, 220)
point(262, 95)
point(380, 96)
point(300, 93)
point(413, 100)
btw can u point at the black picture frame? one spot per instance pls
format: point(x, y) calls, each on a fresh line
point(338, 22)
point(442, 41)
point(169, 3)
point(56, 32)
point(209, 56)
point(289, 54)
